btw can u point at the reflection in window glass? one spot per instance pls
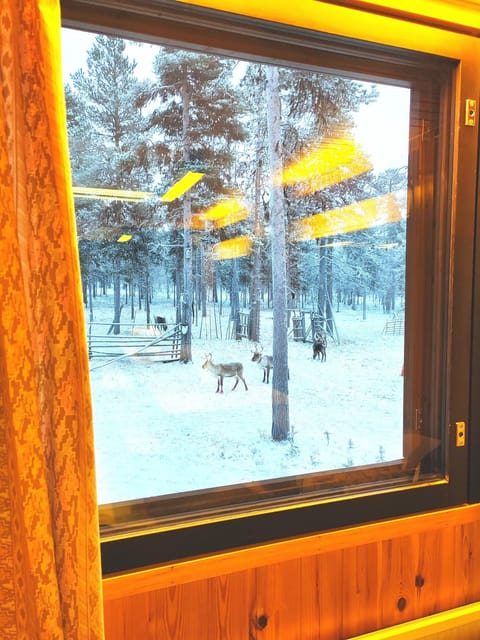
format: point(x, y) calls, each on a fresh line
point(242, 235)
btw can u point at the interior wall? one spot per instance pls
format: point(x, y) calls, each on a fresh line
point(335, 585)
point(330, 586)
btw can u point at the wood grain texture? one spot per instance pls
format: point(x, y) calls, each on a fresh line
point(332, 586)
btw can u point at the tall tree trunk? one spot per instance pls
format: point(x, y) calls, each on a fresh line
point(254, 320)
point(203, 281)
point(147, 295)
point(235, 301)
point(117, 305)
point(132, 299)
point(329, 291)
point(90, 299)
point(280, 407)
point(178, 285)
point(187, 298)
point(322, 278)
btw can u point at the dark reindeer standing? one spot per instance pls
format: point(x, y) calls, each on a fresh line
point(224, 370)
point(160, 323)
point(320, 346)
point(264, 362)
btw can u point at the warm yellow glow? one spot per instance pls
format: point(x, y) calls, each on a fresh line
point(234, 248)
point(110, 194)
point(182, 186)
point(198, 223)
point(442, 624)
point(354, 217)
point(316, 15)
point(332, 162)
point(226, 212)
point(352, 23)
point(455, 12)
point(125, 237)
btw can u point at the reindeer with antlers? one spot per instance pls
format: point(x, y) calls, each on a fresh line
point(224, 370)
point(264, 362)
point(320, 346)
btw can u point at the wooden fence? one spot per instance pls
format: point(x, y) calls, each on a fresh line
point(166, 346)
point(395, 327)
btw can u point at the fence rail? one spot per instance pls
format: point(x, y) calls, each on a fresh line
point(166, 345)
point(394, 327)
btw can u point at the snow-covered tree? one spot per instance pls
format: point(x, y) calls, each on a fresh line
point(105, 129)
point(193, 122)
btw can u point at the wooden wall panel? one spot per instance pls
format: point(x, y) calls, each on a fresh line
point(216, 608)
point(468, 562)
point(327, 588)
point(397, 590)
point(359, 588)
point(335, 587)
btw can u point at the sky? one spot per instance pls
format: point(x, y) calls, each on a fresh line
point(382, 127)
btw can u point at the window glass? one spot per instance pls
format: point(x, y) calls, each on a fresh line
point(243, 232)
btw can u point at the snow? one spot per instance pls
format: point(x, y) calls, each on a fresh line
point(161, 428)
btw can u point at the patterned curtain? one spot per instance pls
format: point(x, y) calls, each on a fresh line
point(50, 579)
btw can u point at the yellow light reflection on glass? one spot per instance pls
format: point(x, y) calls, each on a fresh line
point(226, 212)
point(99, 193)
point(198, 223)
point(182, 186)
point(233, 248)
point(388, 245)
point(354, 217)
point(332, 162)
point(343, 243)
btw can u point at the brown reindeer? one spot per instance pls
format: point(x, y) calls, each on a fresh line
point(264, 362)
point(224, 370)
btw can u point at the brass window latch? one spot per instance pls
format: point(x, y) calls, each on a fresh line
point(460, 433)
point(470, 112)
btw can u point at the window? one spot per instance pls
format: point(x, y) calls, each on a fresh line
point(285, 226)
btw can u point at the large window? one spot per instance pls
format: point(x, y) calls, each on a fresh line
point(267, 276)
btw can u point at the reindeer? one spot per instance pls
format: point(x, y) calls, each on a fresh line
point(225, 370)
point(264, 362)
point(160, 323)
point(320, 346)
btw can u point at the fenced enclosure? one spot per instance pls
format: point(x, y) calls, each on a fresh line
point(306, 324)
point(137, 340)
point(394, 327)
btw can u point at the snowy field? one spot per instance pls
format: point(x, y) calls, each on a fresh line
point(161, 428)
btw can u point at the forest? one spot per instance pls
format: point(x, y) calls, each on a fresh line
point(281, 209)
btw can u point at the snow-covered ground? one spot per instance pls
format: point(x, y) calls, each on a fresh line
point(161, 428)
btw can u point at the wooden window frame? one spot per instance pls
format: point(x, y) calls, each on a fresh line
point(442, 344)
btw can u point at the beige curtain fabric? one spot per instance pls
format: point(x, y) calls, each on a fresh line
point(50, 581)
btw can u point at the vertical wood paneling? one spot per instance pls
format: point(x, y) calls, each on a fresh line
point(437, 566)
point(128, 620)
point(230, 606)
point(279, 590)
point(312, 613)
point(329, 590)
point(399, 562)
point(370, 581)
point(470, 561)
point(360, 589)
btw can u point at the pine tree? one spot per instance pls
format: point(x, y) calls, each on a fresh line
point(105, 129)
point(194, 120)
